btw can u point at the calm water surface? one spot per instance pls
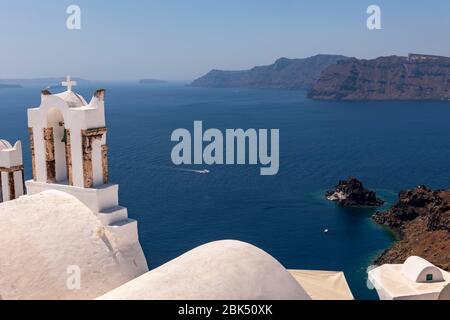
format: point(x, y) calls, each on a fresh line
point(388, 145)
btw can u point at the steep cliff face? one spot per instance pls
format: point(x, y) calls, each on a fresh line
point(421, 217)
point(417, 77)
point(283, 74)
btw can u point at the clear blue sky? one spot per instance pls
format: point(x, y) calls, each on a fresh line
point(184, 39)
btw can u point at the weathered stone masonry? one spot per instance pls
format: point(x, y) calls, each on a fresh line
point(33, 154)
point(105, 164)
point(69, 158)
point(10, 181)
point(12, 188)
point(88, 136)
point(50, 155)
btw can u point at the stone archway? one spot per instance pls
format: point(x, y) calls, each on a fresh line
point(57, 149)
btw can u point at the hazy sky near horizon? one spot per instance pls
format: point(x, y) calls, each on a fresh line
point(184, 39)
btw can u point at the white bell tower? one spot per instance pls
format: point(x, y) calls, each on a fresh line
point(70, 154)
point(68, 139)
point(11, 171)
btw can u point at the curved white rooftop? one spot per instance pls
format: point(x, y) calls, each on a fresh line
point(228, 270)
point(43, 235)
point(404, 281)
point(5, 145)
point(418, 270)
point(445, 293)
point(73, 99)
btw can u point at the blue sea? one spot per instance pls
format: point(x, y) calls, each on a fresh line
point(390, 146)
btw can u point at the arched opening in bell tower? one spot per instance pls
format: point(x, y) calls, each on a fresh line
point(57, 147)
point(97, 170)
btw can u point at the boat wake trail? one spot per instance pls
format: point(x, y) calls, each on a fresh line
point(158, 167)
point(205, 171)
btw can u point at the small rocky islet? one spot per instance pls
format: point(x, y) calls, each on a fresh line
point(352, 193)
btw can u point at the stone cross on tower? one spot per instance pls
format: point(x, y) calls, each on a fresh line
point(69, 83)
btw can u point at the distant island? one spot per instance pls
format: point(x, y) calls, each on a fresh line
point(334, 77)
point(9, 86)
point(416, 77)
point(43, 82)
point(283, 74)
point(151, 81)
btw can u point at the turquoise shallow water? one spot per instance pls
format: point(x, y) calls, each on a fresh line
point(388, 145)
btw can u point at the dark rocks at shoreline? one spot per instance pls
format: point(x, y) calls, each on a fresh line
point(416, 77)
point(419, 202)
point(421, 218)
point(352, 193)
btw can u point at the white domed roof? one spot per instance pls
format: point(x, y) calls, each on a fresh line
point(44, 234)
point(73, 99)
point(5, 145)
point(228, 270)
